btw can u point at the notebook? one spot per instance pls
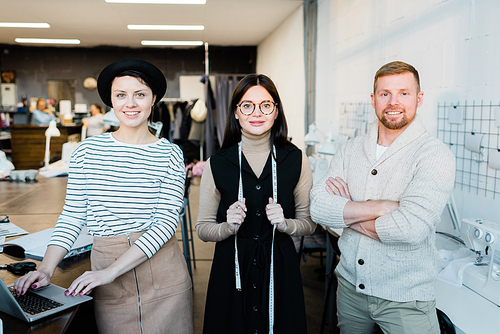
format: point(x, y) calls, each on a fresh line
point(38, 303)
point(34, 245)
point(8, 229)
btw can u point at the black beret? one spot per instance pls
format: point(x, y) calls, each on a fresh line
point(110, 72)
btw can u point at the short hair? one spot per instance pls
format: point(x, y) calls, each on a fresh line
point(279, 130)
point(98, 107)
point(396, 67)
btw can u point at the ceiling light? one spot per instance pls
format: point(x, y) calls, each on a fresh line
point(47, 41)
point(23, 25)
point(168, 2)
point(173, 43)
point(164, 27)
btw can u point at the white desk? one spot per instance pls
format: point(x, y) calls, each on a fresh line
point(469, 312)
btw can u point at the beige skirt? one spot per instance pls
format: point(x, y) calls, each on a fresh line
point(155, 297)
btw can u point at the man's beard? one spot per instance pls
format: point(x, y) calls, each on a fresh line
point(394, 125)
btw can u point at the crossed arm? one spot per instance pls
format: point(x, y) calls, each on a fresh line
point(360, 216)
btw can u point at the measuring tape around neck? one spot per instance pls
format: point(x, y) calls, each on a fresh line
point(236, 261)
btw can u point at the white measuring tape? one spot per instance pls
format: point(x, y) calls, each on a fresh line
point(236, 261)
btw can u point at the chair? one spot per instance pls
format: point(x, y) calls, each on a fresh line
point(313, 243)
point(445, 324)
point(83, 135)
point(186, 226)
point(331, 283)
point(185, 238)
point(187, 190)
point(157, 126)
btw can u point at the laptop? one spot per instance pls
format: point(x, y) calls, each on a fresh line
point(37, 304)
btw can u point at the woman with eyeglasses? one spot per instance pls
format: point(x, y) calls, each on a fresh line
point(254, 196)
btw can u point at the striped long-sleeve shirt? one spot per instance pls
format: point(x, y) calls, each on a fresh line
point(117, 188)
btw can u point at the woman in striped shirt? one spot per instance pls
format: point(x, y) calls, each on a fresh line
point(127, 188)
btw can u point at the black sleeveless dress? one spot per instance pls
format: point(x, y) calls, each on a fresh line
point(228, 310)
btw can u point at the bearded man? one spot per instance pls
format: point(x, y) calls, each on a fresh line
point(387, 190)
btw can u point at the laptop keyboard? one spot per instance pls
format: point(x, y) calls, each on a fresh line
point(33, 304)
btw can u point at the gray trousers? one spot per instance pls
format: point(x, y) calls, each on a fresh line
point(358, 313)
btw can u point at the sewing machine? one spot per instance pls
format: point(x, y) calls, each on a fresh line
point(483, 277)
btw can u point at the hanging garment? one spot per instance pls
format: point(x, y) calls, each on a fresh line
point(209, 122)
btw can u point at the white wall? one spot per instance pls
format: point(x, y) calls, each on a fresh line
point(454, 44)
point(281, 57)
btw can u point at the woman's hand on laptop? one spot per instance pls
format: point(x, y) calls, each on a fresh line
point(84, 284)
point(41, 277)
point(33, 279)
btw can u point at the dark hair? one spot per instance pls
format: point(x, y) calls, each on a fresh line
point(98, 106)
point(396, 67)
point(143, 78)
point(279, 130)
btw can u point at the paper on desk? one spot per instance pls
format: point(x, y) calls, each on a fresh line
point(11, 230)
point(2, 240)
point(35, 244)
point(58, 168)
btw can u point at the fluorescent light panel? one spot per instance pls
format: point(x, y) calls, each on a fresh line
point(23, 25)
point(164, 2)
point(164, 27)
point(47, 41)
point(173, 43)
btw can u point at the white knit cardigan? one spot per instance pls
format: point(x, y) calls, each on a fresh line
point(418, 171)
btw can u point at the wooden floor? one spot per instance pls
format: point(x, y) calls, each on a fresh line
point(36, 206)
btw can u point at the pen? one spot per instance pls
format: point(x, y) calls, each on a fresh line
point(4, 219)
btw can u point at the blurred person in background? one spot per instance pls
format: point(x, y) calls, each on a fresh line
point(95, 124)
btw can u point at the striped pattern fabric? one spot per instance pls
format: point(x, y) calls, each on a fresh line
point(117, 188)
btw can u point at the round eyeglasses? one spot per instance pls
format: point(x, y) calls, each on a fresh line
point(248, 107)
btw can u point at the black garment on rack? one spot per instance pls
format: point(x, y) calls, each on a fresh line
point(161, 114)
point(179, 109)
point(210, 137)
point(190, 150)
point(186, 121)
